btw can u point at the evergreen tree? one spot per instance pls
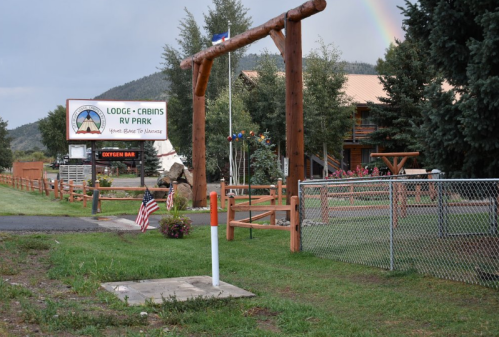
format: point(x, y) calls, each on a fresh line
point(461, 126)
point(151, 160)
point(327, 110)
point(264, 165)
point(5, 151)
point(405, 74)
point(180, 90)
point(266, 101)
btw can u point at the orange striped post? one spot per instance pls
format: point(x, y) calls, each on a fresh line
point(214, 239)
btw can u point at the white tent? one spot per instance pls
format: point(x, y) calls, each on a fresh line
point(166, 154)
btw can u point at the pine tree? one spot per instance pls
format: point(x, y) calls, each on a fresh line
point(151, 160)
point(266, 101)
point(327, 110)
point(461, 126)
point(404, 75)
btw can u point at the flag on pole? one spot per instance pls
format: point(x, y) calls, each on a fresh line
point(219, 38)
point(147, 207)
point(169, 199)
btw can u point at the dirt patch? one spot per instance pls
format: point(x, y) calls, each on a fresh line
point(481, 246)
point(32, 304)
point(265, 319)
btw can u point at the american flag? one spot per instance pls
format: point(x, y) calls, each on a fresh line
point(147, 207)
point(169, 199)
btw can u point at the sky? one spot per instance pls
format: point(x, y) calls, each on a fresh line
point(53, 50)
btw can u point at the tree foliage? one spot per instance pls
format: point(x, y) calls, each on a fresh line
point(327, 109)
point(151, 160)
point(405, 74)
point(461, 126)
point(5, 151)
point(264, 164)
point(53, 129)
point(217, 126)
point(180, 90)
point(266, 101)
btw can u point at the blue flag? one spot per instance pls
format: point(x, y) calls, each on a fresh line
point(219, 38)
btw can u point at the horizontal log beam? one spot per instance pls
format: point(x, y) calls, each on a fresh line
point(395, 154)
point(255, 226)
point(307, 9)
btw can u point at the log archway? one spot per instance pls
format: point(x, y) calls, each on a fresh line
point(290, 46)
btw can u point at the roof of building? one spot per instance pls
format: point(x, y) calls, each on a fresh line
point(361, 88)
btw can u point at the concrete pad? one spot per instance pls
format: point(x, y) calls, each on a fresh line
point(180, 288)
point(115, 223)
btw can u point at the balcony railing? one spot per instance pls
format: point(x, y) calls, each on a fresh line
point(360, 131)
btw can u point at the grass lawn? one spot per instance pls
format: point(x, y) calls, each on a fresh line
point(50, 286)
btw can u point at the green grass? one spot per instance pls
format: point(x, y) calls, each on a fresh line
point(297, 294)
point(17, 202)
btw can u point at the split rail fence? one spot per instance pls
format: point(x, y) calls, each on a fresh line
point(75, 192)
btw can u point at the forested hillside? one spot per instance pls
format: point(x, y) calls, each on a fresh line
point(26, 137)
point(151, 87)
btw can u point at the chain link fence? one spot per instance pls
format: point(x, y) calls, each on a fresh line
point(441, 227)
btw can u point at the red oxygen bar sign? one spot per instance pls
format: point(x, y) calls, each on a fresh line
point(118, 155)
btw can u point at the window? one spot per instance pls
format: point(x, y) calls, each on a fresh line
point(366, 118)
point(366, 156)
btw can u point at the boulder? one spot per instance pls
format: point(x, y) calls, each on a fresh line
point(188, 177)
point(164, 181)
point(175, 171)
point(184, 190)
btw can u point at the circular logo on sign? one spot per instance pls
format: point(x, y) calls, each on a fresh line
point(88, 119)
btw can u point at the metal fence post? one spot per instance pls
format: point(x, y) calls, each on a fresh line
point(390, 182)
point(440, 211)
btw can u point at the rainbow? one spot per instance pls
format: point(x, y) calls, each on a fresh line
point(388, 27)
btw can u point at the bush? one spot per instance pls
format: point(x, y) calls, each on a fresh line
point(174, 225)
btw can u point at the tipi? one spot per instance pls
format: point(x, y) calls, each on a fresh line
point(88, 125)
point(166, 154)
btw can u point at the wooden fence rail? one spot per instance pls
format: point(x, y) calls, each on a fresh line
point(269, 210)
point(225, 190)
point(75, 192)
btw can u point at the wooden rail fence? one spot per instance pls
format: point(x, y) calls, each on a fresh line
point(269, 211)
point(75, 192)
point(225, 190)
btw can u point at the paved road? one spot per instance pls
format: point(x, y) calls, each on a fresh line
point(98, 223)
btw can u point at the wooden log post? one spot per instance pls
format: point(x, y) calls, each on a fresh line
point(40, 184)
point(231, 215)
point(175, 186)
point(279, 191)
point(198, 145)
point(294, 223)
point(222, 193)
point(417, 197)
point(99, 205)
point(71, 191)
point(273, 189)
point(84, 192)
point(351, 194)
point(61, 188)
point(46, 185)
point(56, 189)
point(294, 108)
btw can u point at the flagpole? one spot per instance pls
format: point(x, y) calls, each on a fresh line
point(230, 120)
